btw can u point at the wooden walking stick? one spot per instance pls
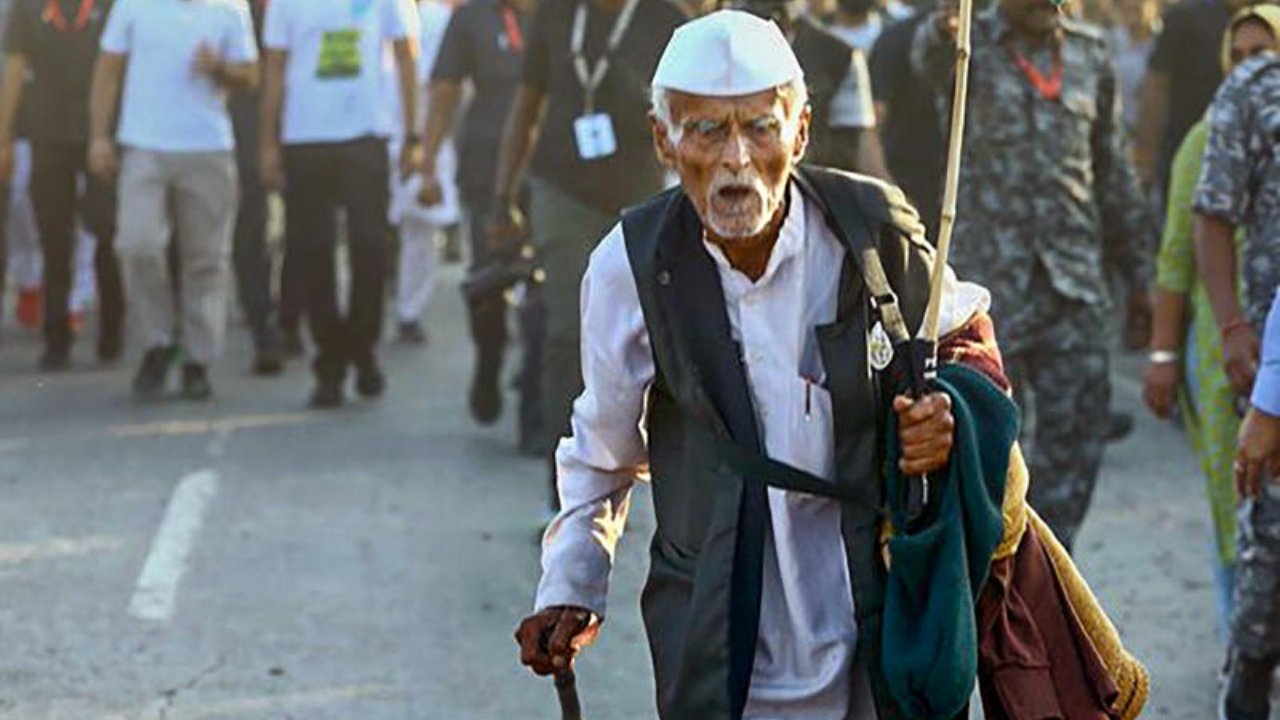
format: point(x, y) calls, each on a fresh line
point(567, 692)
point(925, 368)
point(929, 328)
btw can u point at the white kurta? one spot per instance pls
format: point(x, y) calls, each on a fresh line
point(803, 665)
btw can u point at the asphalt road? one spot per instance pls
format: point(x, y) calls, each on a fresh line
point(252, 559)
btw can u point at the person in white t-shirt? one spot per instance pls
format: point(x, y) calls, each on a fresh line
point(324, 140)
point(420, 225)
point(168, 65)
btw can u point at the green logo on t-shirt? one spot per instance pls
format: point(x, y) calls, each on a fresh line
point(339, 55)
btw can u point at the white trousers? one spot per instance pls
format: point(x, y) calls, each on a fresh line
point(418, 262)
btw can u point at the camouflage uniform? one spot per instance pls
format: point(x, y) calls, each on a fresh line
point(1240, 183)
point(1048, 200)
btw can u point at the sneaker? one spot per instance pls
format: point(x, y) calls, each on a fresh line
point(268, 362)
point(1248, 682)
point(30, 309)
point(485, 397)
point(412, 333)
point(327, 395)
point(149, 383)
point(55, 359)
point(370, 382)
point(195, 382)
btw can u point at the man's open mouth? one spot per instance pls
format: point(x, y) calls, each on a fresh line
point(734, 194)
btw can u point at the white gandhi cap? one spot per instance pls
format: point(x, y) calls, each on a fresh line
point(727, 53)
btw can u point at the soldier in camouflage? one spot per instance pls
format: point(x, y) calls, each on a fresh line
point(1048, 202)
point(1240, 185)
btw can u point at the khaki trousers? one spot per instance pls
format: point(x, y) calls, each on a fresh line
point(189, 199)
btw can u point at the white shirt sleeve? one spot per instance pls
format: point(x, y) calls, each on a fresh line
point(852, 105)
point(239, 45)
point(399, 19)
point(117, 36)
point(606, 455)
point(961, 301)
point(276, 33)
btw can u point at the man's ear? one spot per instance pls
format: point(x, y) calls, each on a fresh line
point(802, 133)
point(662, 145)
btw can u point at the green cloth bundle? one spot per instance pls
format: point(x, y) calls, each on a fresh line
point(929, 641)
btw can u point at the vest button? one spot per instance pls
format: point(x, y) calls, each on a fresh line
point(664, 278)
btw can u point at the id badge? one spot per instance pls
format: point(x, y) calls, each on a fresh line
point(595, 136)
point(339, 55)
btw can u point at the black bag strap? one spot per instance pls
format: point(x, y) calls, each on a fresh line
point(779, 475)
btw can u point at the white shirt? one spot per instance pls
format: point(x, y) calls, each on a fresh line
point(332, 95)
point(852, 105)
point(167, 106)
point(808, 633)
point(433, 20)
point(863, 37)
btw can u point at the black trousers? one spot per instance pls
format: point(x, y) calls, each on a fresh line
point(320, 179)
point(249, 245)
point(57, 173)
point(488, 320)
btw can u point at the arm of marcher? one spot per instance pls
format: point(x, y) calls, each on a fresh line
point(406, 53)
point(442, 112)
point(1222, 197)
point(1127, 223)
point(15, 71)
point(1266, 389)
point(104, 96)
point(238, 76)
point(233, 64)
point(933, 50)
point(606, 455)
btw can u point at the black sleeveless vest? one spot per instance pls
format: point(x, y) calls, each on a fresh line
point(701, 603)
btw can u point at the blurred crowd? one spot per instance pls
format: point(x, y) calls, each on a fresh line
point(152, 148)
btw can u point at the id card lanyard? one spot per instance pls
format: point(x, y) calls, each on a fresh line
point(591, 78)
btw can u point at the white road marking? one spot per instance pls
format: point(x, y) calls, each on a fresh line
point(202, 427)
point(13, 554)
point(157, 589)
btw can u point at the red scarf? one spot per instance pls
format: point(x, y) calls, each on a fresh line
point(1050, 88)
point(53, 15)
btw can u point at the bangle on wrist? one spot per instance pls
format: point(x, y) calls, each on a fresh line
point(1162, 357)
point(1233, 325)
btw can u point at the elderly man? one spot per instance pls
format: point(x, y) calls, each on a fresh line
point(735, 349)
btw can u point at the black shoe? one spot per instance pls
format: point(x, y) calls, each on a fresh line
point(149, 383)
point(109, 346)
point(1119, 425)
point(485, 397)
point(55, 359)
point(412, 333)
point(328, 394)
point(291, 343)
point(1247, 691)
point(267, 362)
point(195, 382)
point(370, 382)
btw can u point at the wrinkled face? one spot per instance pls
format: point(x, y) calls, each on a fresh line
point(734, 156)
point(1251, 38)
point(1034, 17)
